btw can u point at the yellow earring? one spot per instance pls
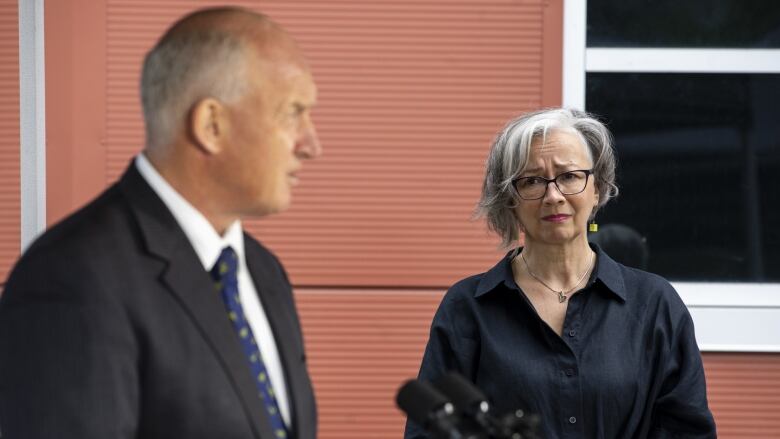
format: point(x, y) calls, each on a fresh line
point(593, 227)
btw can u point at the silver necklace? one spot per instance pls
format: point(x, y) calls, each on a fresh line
point(561, 295)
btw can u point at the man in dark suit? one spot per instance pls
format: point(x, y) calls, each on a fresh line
point(149, 313)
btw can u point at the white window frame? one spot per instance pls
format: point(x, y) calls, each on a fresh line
point(32, 121)
point(729, 317)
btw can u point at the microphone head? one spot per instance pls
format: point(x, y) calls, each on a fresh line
point(464, 394)
point(419, 400)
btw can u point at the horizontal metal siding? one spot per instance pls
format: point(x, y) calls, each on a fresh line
point(744, 394)
point(361, 345)
point(411, 94)
point(10, 203)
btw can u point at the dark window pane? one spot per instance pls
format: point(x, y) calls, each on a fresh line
point(686, 23)
point(698, 169)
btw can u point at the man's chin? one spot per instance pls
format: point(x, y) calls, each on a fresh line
point(270, 208)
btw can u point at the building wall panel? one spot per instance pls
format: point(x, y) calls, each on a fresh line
point(744, 393)
point(361, 345)
point(411, 95)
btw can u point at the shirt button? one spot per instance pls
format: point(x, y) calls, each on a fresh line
point(572, 420)
point(569, 372)
point(572, 333)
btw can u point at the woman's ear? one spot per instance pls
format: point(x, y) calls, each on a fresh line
point(207, 123)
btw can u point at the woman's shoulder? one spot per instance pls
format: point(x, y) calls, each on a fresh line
point(464, 289)
point(644, 278)
point(650, 290)
point(474, 286)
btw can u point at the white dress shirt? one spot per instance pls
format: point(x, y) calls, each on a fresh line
point(208, 245)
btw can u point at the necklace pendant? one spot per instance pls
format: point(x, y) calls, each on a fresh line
point(561, 297)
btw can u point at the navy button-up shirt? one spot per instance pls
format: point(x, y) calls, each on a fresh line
point(626, 365)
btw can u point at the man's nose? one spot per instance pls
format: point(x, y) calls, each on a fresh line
point(308, 146)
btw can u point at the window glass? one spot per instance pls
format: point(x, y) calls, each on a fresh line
point(698, 170)
point(687, 23)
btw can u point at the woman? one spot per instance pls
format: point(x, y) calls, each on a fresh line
point(557, 328)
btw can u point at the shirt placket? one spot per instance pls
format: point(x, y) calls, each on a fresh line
point(571, 414)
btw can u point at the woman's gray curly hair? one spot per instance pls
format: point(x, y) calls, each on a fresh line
point(508, 158)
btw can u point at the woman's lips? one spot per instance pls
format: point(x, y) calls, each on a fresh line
point(559, 218)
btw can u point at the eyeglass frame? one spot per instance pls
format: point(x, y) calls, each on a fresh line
point(547, 181)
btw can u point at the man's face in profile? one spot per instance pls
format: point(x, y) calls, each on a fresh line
point(270, 134)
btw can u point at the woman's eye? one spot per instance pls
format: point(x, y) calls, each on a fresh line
point(567, 176)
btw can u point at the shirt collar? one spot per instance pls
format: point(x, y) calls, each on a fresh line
point(208, 244)
point(610, 274)
point(607, 271)
point(501, 273)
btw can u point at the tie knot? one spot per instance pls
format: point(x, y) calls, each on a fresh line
point(226, 266)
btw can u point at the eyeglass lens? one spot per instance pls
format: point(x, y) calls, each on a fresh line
point(568, 183)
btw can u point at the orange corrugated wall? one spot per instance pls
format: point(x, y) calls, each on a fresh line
point(744, 394)
point(411, 94)
point(10, 215)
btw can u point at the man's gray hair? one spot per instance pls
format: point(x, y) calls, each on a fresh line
point(508, 159)
point(185, 68)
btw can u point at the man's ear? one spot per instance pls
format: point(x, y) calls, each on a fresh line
point(208, 125)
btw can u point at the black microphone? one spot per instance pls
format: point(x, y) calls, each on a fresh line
point(429, 408)
point(473, 405)
point(469, 400)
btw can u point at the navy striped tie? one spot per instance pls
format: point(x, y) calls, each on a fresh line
point(225, 277)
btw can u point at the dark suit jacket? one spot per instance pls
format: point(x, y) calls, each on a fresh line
point(110, 328)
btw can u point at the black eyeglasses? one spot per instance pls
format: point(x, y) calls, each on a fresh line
point(568, 183)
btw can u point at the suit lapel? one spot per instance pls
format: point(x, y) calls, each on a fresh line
point(186, 279)
point(275, 296)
